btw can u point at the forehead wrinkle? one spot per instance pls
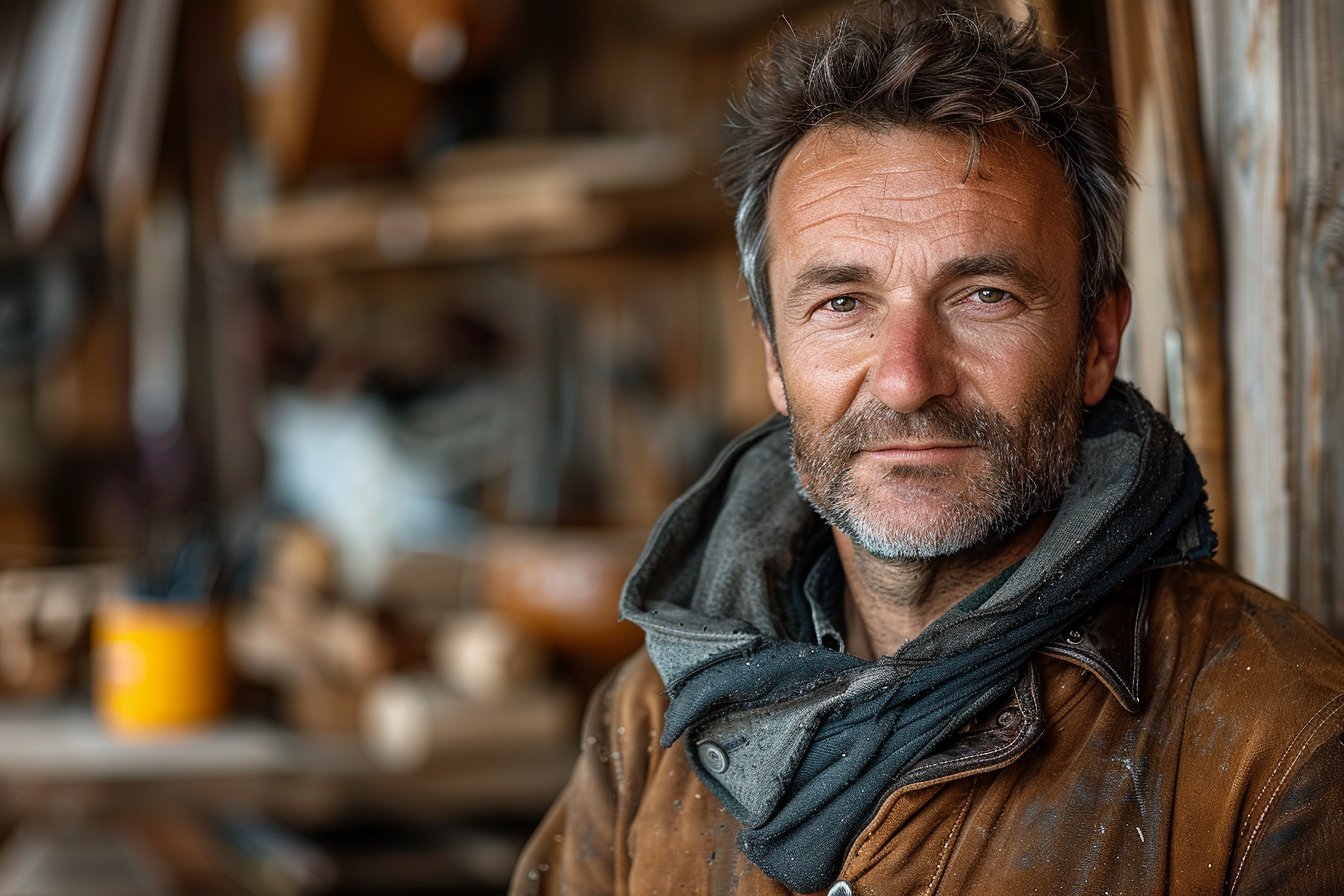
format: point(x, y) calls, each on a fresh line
point(834, 193)
point(905, 212)
point(881, 207)
point(903, 197)
point(875, 222)
point(989, 231)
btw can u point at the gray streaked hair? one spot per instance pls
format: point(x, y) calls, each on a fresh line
point(941, 67)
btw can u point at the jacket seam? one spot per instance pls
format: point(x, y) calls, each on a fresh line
point(998, 758)
point(1293, 742)
point(884, 809)
point(1324, 719)
point(871, 830)
point(952, 835)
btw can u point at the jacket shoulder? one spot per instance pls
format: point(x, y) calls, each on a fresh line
point(622, 726)
point(1233, 624)
point(1259, 687)
point(635, 690)
point(581, 846)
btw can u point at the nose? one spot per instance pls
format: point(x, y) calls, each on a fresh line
point(912, 361)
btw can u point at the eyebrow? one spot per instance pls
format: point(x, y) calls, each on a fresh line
point(823, 275)
point(992, 264)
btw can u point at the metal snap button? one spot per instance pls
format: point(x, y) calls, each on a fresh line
point(840, 888)
point(1008, 719)
point(713, 756)
point(1075, 636)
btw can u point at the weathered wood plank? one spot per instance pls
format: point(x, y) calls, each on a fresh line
point(1313, 75)
point(1239, 53)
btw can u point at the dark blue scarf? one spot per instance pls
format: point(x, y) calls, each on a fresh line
point(814, 738)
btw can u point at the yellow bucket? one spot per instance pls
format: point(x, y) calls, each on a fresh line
point(159, 667)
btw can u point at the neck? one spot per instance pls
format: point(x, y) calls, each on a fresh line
point(888, 602)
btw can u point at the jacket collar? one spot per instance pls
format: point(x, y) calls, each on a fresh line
point(1109, 641)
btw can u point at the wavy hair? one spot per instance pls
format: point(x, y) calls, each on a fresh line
point(942, 67)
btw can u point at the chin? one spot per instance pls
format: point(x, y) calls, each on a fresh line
point(908, 527)
point(907, 543)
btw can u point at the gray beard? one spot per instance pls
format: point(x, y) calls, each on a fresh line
point(1028, 469)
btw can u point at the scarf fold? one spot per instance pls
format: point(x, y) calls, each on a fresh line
point(808, 740)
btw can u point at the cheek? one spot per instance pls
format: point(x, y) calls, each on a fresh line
point(821, 385)
point(834, 353)
point(1007, 374)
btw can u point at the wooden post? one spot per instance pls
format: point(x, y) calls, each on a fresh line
point(1196, 279)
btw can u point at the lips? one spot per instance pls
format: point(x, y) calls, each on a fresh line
point(919, 453)
point(916, 446)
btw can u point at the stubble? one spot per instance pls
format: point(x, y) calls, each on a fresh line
point(1025, 470)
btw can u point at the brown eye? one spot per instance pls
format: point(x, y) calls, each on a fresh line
point(989, 296)
point(843, 304)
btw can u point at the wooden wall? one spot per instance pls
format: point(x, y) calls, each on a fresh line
point(1262, 146)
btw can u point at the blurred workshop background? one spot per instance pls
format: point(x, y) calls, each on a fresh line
point(349, 349)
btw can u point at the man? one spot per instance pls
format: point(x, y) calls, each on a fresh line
point(949, 624)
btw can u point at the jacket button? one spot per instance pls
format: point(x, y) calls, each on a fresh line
point(1009, 719)
point(713, 756)
point(840, 888)
point(1075, 636)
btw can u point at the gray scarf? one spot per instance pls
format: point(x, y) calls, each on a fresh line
point(811, 739)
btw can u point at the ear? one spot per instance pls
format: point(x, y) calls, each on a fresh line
point(774, 380)
point(1103, 346)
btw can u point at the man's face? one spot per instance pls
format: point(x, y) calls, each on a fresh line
point(927, 335)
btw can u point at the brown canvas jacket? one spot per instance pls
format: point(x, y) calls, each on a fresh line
point(1189, 739)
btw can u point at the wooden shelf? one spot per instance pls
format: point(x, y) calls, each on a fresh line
point(58, 754)
point(498, 199)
